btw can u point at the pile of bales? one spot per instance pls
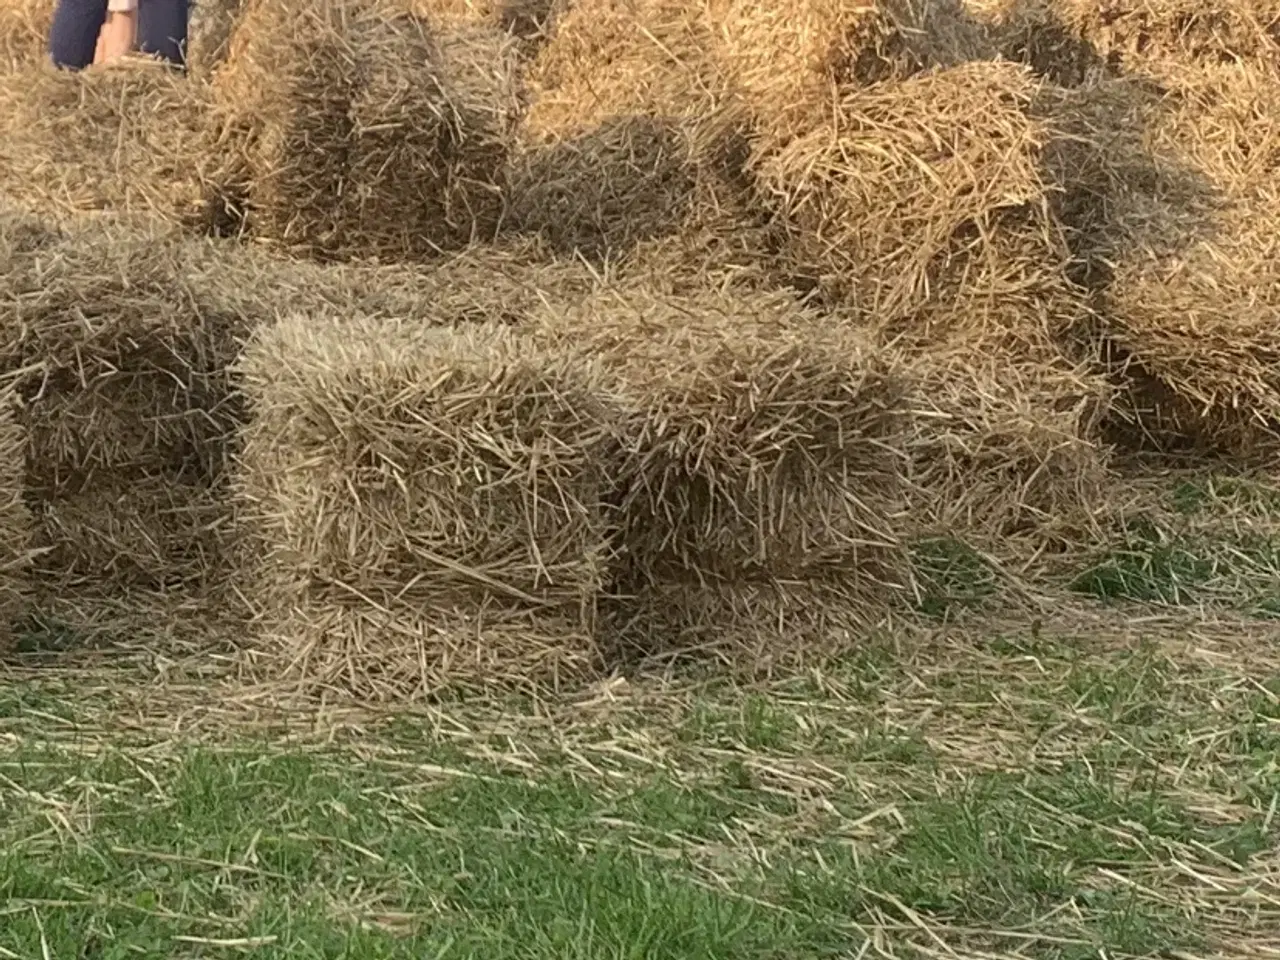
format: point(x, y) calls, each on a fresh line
point(452, 343)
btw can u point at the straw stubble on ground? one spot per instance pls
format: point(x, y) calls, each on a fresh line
point(1081, 789)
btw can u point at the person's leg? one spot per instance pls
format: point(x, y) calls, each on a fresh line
point(162, 29)
point(73, 37)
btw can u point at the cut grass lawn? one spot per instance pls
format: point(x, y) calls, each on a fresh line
point(1035, 794)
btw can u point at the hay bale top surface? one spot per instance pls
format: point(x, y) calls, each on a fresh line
point(788, 56)
point(122, 140)
point(1142, 31)
point(24, 31)
point(874, 200)
point(619, 58)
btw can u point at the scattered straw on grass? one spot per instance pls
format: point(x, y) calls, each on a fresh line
point(438, 484)
point(789, 57)
point(879, 203)
point(354, 131)
point(123, 139)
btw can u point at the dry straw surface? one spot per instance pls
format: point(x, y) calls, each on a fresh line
point(907, 181)
point(426, 501)
point(24, 32)
point(212, 24)
point(633, 133)
point(787, 56)
point(757, 443)
point(529, 20)
point(352, 130)
point(120, 139)
point(1203, 321)
point(16, 528)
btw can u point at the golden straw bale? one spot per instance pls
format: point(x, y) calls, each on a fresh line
point(24, 32)
point(530, 20)
point(80, 142)
point(1136, 33)
point(633, 133)
point(757, 439)
point(880, 203)
point(1004, 445)
point(1204, 321)
point(442, 482)
point(788, 56)
point(156, 532)
point(353, 131)
point(16, 526)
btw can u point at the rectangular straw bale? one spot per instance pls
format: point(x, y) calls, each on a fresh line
point(1136, 33)
point(757, 436)
point(211, 25)
point(1203, 321)
point(790, 56)
point(908, 182)
point(529, 20)
point(154, 532)
point(353, 130)
point(16, 526)
point(125, 140)
point(633, 132)
point(1005, 446)
point(421, 475)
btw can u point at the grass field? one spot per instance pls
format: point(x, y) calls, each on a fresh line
point(1099, 783)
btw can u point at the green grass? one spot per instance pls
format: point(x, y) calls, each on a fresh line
point(1033, 794)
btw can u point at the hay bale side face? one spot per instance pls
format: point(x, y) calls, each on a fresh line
point(1138, 32)
point(357, 132)
point(16, 525)
point(394, 468)
point(879, 204)
point(632, 132)
point(125, 141)
point(788, 56)
point(758, 441)
point(1204, 323)
point(1004, 448)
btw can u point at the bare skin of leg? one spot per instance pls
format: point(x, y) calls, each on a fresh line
point(117, 37)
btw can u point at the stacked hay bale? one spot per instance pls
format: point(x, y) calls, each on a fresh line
point(786, 57)
point(1170, 173)
point(917, 206)
point(347, 129)
point(212, 24)
point(528, 20)
point(15, 523)
point(426, 503)
point(633, 140)
point(126, 405)
point(124, 140)
point(757, 476)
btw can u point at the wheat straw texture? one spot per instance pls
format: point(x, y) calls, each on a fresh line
point(16, 526)
point(348, 129)
point(441, 481)
point(882, 201)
